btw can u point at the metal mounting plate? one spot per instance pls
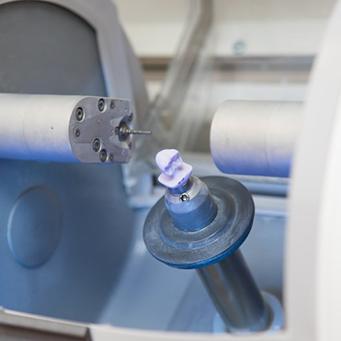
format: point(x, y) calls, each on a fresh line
point(99, 124)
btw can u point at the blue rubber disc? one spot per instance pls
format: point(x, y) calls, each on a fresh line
point(219, 239)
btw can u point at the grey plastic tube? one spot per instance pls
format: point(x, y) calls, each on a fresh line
point(255, 137)
point(63, 128)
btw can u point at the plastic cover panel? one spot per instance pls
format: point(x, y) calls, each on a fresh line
point(66, 263)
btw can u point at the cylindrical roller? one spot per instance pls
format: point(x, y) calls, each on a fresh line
point(255, 137)
point(64, 128)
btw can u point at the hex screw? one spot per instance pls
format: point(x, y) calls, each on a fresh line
point(79, 114)
point(101, 104)
point(184, 197)
point(96, 145)
point(77, 132)
point(103, 155)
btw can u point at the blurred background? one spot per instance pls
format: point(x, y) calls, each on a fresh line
point(254, 50)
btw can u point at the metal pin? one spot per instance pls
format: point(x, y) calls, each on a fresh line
point(123, 131)
point(138, 132)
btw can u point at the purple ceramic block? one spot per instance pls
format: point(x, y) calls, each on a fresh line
point(175, 172)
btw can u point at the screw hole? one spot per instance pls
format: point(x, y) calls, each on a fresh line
point(96, 144)
point(79, 114)
point(101, 104)
point(77, 132)
point(103, 155)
